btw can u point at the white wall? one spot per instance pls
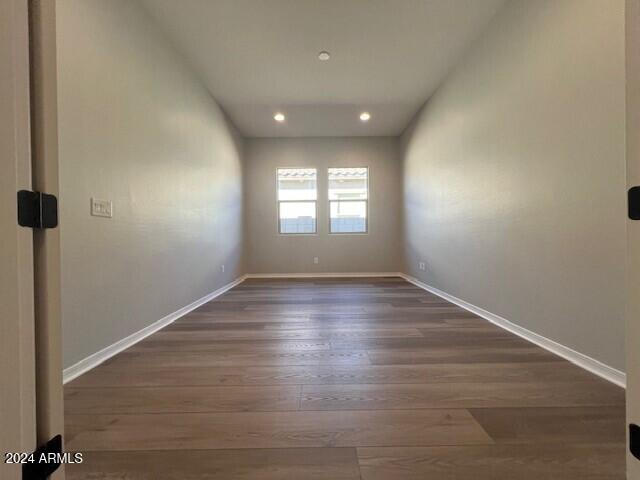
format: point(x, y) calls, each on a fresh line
point(514, 175)
point(138, 128)
point(377, 251)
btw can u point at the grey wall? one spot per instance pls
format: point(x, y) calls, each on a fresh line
point(513, 180)
point(514, 175)
point(377, 251)
point(138, 128)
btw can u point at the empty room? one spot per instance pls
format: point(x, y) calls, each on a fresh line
point(320, 239)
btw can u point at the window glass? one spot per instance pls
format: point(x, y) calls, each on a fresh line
point(348, 200)
point(297, 194)
point(348, 183)
point(297, 184)
point(348, 217)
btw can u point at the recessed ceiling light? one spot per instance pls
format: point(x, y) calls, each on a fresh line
point(279, 117)
point(365, 116)
point(324, 56)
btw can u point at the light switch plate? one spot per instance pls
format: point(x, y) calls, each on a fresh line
point(101, 208)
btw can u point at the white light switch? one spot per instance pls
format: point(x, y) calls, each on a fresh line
point(316, 260)
point(101, 208)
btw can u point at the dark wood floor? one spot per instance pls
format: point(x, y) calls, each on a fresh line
point(338, 379)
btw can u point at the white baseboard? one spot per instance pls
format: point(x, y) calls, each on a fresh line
point(106, 353)
point(324, 275)
point(591, 364)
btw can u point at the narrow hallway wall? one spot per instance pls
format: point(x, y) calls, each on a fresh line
point(138, 128)
point(514, 175)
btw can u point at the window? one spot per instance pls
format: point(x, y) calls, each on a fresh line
point(297, 194)
point(348, 200)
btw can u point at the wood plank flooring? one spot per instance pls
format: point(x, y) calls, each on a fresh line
point(341, 379)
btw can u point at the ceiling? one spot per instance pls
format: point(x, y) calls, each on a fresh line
point(258, 57)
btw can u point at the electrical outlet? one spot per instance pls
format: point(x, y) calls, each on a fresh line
point(101, 208)
point(316, 260)
point(222, 268)
point(422, 266)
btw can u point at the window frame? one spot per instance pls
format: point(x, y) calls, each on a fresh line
point(366, 201)
point(278, 202)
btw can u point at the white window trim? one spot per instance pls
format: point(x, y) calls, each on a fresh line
point(278, 202)
point(366, 224)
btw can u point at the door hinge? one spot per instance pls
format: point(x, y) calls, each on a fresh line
point(37, 210)
point(46, 460)
point(634, 203)
point(634, 440)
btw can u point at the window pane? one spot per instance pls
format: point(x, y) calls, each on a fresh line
point(297, 183)
point(348, 183)
point(348, 217)
point(298, 217)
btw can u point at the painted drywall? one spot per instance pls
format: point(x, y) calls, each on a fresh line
point(258, 56)
point(137, 127)
point(514, 175)
point(377, 251)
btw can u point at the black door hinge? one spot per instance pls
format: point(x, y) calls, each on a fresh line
point(634, 440)
point(634, 203)
point(46, 460)
point(37, 210)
